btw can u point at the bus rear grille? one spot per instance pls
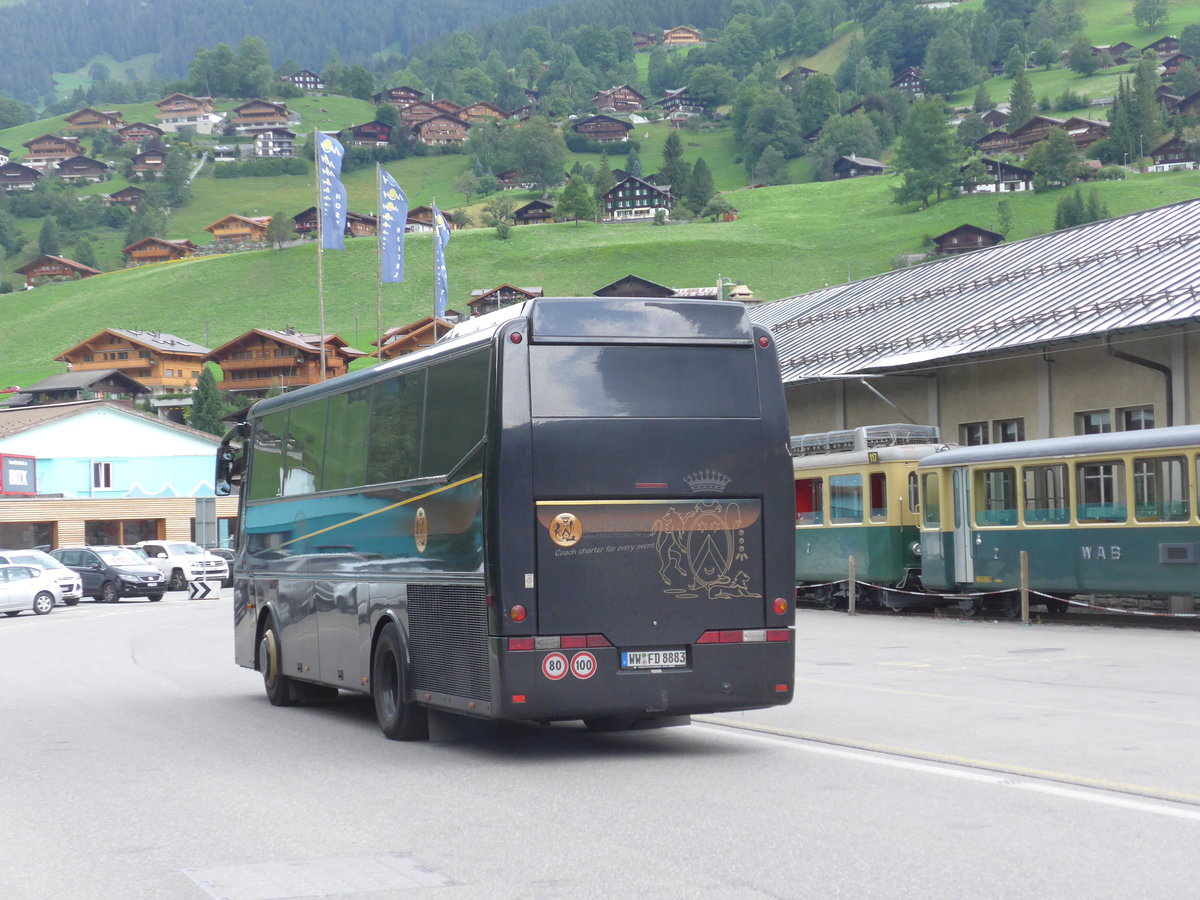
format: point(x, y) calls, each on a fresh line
point(448, 630)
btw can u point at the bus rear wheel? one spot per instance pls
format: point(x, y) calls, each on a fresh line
point(278, 685)
point(399, 719)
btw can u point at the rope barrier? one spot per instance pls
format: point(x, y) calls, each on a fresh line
point(976, 595)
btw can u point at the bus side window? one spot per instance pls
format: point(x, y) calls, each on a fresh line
point(932, 515)
point(266, 471)
point(878, 496)
point(845, 498)
point(809, 508)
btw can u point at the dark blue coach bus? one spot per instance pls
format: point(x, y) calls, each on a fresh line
point(571, 508)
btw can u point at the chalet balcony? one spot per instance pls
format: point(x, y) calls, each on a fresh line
point(265, 384)
point(264, 361)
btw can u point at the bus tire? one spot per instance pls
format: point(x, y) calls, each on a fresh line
point(399, 719)
point(278, 685)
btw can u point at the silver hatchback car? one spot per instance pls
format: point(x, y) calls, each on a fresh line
point(27, 587)
point(68, 580)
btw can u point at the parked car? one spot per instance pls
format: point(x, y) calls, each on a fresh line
point(184, 561)
point(110, 573)
point(68, 580)
point(27, 587)
point(228, 555)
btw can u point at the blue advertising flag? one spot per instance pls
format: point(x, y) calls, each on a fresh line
point(441, 237)
point(393, 213)
point(332, 192)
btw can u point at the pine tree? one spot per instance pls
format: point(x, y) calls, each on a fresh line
point(85, 253)
point(1022, 103)
point(48, 238)
point(930, 157)
point(1147, 118)
point(633, 162)
point(700, 185)
point(1070, 211)
point(207, 405)
point(1120, 128)
point(1096, 209)
point(604, 180)
point(675, 170)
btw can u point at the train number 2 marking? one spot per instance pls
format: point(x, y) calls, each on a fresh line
point(1104, 553)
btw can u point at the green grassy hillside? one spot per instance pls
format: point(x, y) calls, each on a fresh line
point(787, 240)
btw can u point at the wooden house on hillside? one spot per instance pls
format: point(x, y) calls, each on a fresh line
point(416, 112)
point(636, 198)
point(486, 301)
point(357, 224)
point(88, 119)
point(259, 114)
point(54, 268)
point(643, 42)
point(535, 212)
point(239, 229)
point(261, 359)
point(16, 177)
point(964, 239)
point(622, 98)
point(47, 151)
point(155, 249)
point(129, 196)
point(398, 97)
point(794, 78)
point(681, 35)
point(138, 132)
point(79, 169)
point(854, 166)
point(371, 134)
point(603, 129)
point(306, 80)
point(182, 110)
point(150, 162)
point(162, 362)
point(1165, 47)
point(441, 130)
point(1173, 153)
point(409, 338)
point(482, 112)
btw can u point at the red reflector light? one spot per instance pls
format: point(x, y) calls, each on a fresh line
point(710, 637)
point(781, 688)
point(518, 698)
point(515, 337)
point(573, 641)
point(731, 637)
point(779, 634)
point(781, 606)
point(763, 342)
point(597, 640)
point(517, 613)
point(525, 643)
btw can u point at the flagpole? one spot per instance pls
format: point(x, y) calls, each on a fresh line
point(320, 244)
point(379, 262)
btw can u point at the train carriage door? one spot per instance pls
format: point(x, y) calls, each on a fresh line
point(964, 562)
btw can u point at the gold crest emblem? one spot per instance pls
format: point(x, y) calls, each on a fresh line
point(566, 529)
point(421, 530)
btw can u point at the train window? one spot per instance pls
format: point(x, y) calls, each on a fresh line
point(845, 498)
point(1046, 495)
point(933, 508)
point(996, 497)
point(1101, 488)
point(914, 495)
point(809, 496)
point(878, 496)
point(1160, 489)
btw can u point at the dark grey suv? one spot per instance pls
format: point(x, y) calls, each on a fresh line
point(110, 573)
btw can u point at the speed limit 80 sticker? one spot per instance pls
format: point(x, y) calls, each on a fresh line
point(554, 666)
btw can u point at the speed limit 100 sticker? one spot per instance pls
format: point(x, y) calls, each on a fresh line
point(583, 665)
point(554, 666)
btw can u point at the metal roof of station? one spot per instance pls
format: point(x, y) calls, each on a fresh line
point(1121, 274)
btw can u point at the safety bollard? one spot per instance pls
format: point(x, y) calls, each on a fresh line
point(852, 589)
point(1025, 586)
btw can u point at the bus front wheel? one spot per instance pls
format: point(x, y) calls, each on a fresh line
point(399, 719)
point(269, 662)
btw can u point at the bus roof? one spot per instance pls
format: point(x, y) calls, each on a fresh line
point(1074, 445)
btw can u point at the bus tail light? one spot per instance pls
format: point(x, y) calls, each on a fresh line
point(780, 606)
point(517, 613)
point(520, 643)
point(558, 642)
point(746, 636)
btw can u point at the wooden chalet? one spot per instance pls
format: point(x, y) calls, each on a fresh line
point(227, 153)
point(482, 112)
point(138, 132)
point(79, 169)
point(239, 229)
point(98, 384)
point(1172, 153)
point(398, 97)
point(622, 98)
point(995, 118)
point(127, 196)
point(681, 35)
point(1005, 177)
point(423, 216)
point(88, 119)
point(486, 301)
point(416, 112)
point(16, 177)
point(603, 129)
point(964, 239)
point(446, 106)
point(1036, 129)
point(274, 143)
point(1117, 54)
point(1173, 64)
point(679, 101)
point(155, 249)
point(1085, 132)
point(150, 162)
point(49, 150)
point(535, 212)
point(636, 198)
point(409, 338)
point(305, 80)
point(441, 129)
point(1165, 47)
point(909, 80)
point(793, 78)
point(643, 41)
point(854, 166)
point(257, 114)
point(179, 110)
point(54, 268)
point(997, 141)
point(357, 224)
point(1187, 106)
point(371, 134)
point(261, 359)
point(161, 362)
point(512, 180)
point(634, 286)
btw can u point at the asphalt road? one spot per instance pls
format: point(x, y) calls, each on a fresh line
point(923, 758)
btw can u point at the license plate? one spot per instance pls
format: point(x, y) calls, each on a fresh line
point(653, 659)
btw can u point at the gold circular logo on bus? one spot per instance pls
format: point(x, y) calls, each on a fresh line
point(566, 529)
point(421, 530)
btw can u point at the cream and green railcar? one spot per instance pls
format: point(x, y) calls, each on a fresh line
point(856, 496)
point(1112, 514)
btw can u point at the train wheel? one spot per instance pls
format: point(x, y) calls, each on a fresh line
point(824, 597)
point(971, 610)
point(1058, 607)
point(1011, 608)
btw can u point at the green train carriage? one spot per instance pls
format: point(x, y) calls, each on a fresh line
point(1108, 514)
point(856, 495)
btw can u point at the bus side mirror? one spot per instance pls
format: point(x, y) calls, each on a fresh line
point(229, 471)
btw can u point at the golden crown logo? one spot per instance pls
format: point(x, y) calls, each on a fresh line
point(706, 480)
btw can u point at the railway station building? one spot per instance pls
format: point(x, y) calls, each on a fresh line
point(1087, 330)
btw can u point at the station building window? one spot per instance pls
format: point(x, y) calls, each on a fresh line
point(1135, 418)
point(972, 434)
point(1093, 421)
point(1009, 430)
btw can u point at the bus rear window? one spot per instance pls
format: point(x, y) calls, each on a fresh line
point(648, 382)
